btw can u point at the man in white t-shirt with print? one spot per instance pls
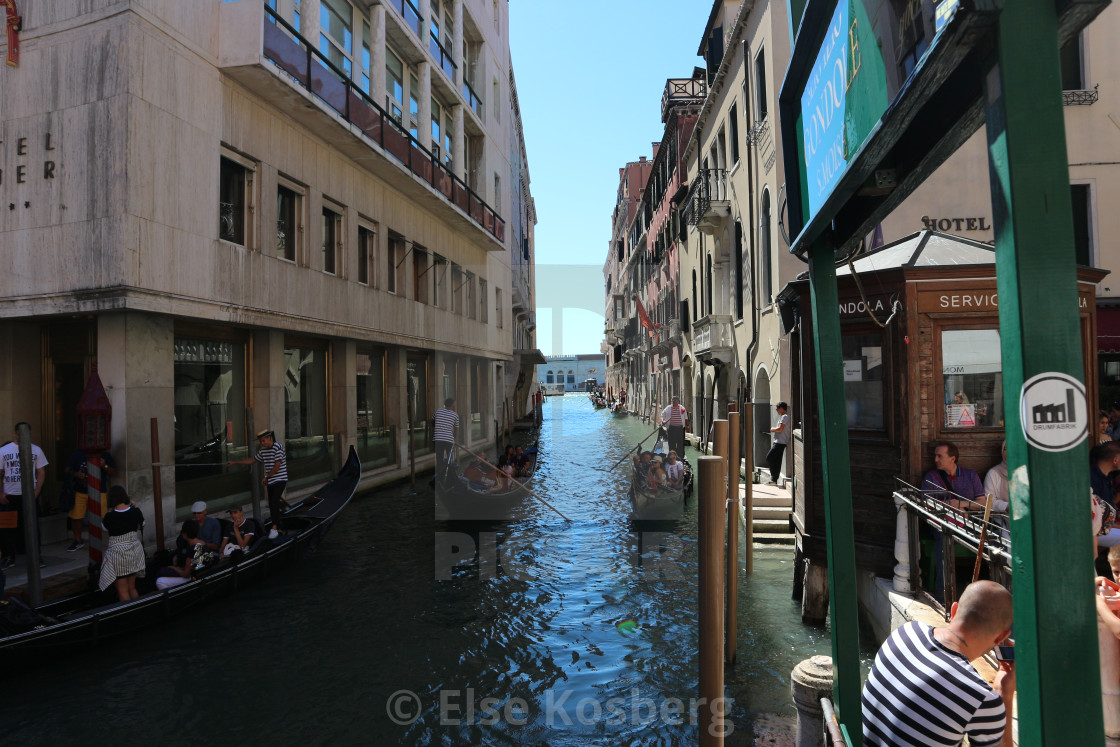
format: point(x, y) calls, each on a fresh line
point(11, 540)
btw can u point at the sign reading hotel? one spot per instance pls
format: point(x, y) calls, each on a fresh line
point(842, 100)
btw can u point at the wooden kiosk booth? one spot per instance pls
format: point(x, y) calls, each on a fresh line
point(919, 323)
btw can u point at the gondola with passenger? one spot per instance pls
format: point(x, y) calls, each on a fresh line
point(481, 492)
point(661, 482)
point(87, 618)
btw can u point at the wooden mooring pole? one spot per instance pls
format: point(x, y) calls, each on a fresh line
point(713, 473)
point(732, 533)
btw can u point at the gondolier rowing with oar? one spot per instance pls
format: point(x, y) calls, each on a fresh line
point(445, 431)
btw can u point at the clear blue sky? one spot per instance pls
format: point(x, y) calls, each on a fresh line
point(589, 81)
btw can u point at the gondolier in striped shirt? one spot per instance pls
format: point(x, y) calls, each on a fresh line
point(923, 690)
point(673, 417)
point(445, 426)
point(271, 454)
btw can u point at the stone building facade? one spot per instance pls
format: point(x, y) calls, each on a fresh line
point(308, 216)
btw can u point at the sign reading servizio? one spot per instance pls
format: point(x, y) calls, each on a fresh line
point(842, 100)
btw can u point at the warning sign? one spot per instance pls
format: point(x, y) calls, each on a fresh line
point(960, 416)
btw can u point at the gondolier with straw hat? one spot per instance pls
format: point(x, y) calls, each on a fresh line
point(271, 454)
point(673, 417)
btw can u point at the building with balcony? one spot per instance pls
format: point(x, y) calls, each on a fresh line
point(734, 262)
point(643, 268)
point(307, 215)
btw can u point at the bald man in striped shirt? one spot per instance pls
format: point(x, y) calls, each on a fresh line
point(923, 690)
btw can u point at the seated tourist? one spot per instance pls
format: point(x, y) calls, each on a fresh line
point(674, 470)
point(642, 461)
point(209, 528)
point(522, 463)
point(995, 483)
point(655, 476)
point(479, 474)
point(242, 532)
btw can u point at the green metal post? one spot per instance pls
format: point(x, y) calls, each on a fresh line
point(1058, 670)
point(836, 469)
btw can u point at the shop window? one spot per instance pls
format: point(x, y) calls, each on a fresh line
point(309, 445)
point(235, 199)
point(863, 380)
point(972, 375)
point(376, 440)
point(209, 419)
point(418, 399)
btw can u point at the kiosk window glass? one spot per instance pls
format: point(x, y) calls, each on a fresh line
point(972, 374)
point(863, 380)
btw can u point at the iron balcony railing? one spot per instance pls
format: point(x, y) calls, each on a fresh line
point(442, 56)
point(682, 90)
point(473, 101)
point(710, 185)
point(1081, 98)
point(291, 52)
point(409, 13)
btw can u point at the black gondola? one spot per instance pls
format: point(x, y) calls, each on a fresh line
point(458, 498)
point(87, 618)
point(658, 504)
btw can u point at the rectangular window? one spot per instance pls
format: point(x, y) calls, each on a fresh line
point(234, 200)
point(308, 443)
point(495, 101)
point(439, 267)
point(332, 239)
point(1082, 197)
point(734, 129)
point(448, 129)
point(393, 257)
point(394, 85)
point(456, 289)
point(972, 374)
point(863, 380)
point(335, 38)
point(483, 302)
point(289, 221)
point(417, 372)
point(209, 377)
point(413, 106)
point(760, 83)
point(468, 285)
point(376, 441)
point(497, 191)
point(498, 307)
point(437, 117)
point(419, 274)
point(1073, 78)
point(367, 57)
point(367, 254)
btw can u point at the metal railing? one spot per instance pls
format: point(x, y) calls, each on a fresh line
point(680, 90)
point(473, 101)
point(304, 64)
point(1081, 98)
point(442, 56)
point(710, 185)
point(961, 524)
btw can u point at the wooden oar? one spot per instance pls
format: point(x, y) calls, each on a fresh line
point(620, 461)
point(983, 536)
point(515, 482)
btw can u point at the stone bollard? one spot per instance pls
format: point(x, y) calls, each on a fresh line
point(810, 681)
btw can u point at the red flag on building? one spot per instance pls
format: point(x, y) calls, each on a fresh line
point(14, 24)
point(643, 317)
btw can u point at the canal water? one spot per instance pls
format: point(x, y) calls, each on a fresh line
point(404, 630)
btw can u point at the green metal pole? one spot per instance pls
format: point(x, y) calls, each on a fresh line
point(837, 473)
point(1057, 664)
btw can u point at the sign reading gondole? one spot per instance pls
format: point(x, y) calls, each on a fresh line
point(842, 100)
point(1053, 411)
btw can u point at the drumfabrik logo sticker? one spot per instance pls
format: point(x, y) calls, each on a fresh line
point(1053, 411)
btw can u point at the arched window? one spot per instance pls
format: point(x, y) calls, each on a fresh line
point(764, 251)
point(708, 280)
point(739, 275)
point(695, 298)
point(571, 377)
point(548, 379)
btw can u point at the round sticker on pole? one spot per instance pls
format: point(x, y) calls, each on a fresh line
point(1053, 411)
